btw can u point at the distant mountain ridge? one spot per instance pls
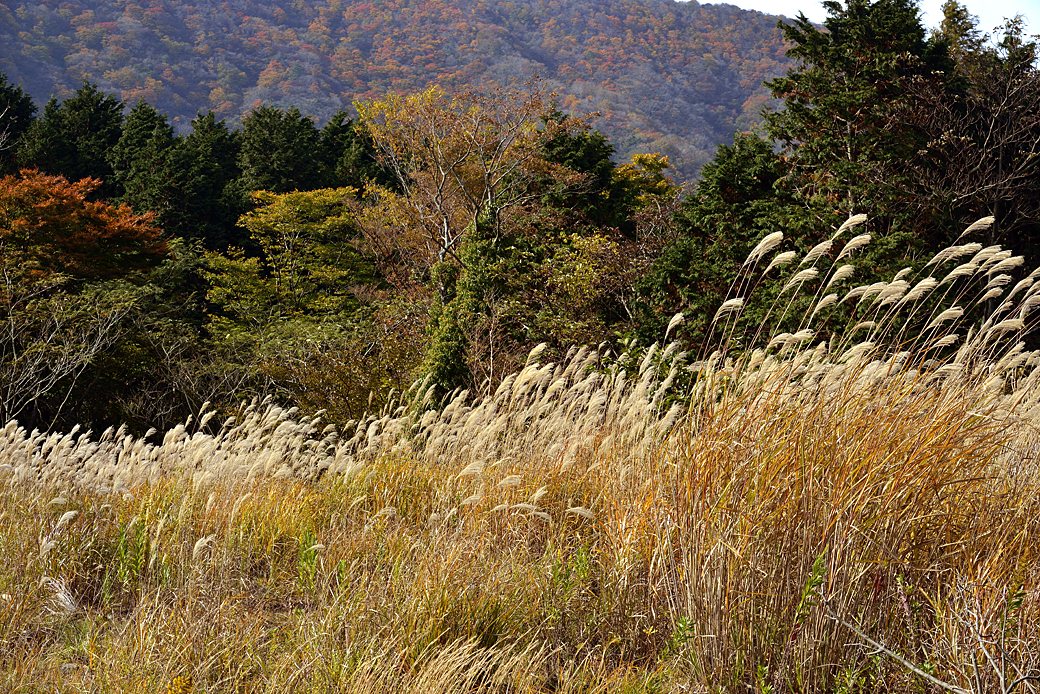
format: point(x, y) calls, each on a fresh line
point(669, 77)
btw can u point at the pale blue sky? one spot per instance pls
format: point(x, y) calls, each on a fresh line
point(991, 13)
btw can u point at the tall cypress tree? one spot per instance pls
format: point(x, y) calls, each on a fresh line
point(73, 138)
point(839, 125)
point(17, 112)
point(279, 152)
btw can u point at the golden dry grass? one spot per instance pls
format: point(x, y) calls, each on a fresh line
point(651, 521)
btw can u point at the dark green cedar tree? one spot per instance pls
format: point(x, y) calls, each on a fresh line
point(742, 197)
point(140, 161)
point(348, 155)
point(838, 128)
point(73, 138)
point(17, 112)
point(279, 152)
point(214, 149)
point(838, 125)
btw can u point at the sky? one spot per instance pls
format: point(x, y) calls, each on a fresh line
point(991, 13)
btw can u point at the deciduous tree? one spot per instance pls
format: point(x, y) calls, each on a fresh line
point(51, 225)
point(65, 290)
point(980, 137)
point(457, 159)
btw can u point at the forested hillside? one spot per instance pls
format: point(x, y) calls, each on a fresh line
point(670, 77)
point(454, 398)
point(442, 233)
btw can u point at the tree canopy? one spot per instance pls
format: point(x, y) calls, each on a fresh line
point(444, 232)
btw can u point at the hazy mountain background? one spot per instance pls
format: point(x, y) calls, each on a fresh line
point(671, 77)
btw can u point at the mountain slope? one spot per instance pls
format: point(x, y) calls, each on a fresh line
point(672, 77)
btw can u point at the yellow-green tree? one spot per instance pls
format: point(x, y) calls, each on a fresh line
point(307, 315)
point(458, 159)
point(308, 265)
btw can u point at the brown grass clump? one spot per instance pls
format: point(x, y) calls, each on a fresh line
point(855, 510)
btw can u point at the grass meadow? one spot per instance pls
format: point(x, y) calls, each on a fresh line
point(859, 513)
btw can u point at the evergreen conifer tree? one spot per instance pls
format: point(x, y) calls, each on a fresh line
point(17, 112)
point(348, 155)
point(839, 123)
point(279, 152)
point(213, 150)
point(140, 159)
point(72, 139)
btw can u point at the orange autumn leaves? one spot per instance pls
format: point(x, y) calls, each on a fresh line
point(49, 226)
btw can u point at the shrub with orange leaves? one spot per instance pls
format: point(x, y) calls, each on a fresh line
point(71, 275)
point(49, 223)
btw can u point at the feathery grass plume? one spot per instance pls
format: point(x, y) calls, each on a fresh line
point(768, 243)
point(779, 260)
point(842, 273)
point(200, 546)
point(818, 250)
point(920, 290)
point(728, 306)
point(825, 302)
point(676, 320)
point(963, 270)
point(801, 277)
point(850, 223)
point(614, 521)
point(992, 293)
point(987, 256)
point(533, 355)
point(998, 281)
point(952, 253)
point(1009, 263)
point(1009, 324)
point(854, 293)
point(891, 293)
point(980, 225)
point(946, 341)
point(854, 244)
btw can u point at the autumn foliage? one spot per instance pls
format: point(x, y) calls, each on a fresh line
point(51, 224)
point(672, 77)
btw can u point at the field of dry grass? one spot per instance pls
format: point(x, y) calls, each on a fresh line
point(860, 514)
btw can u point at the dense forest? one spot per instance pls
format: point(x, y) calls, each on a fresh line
point(442, 234)
point(673, 77)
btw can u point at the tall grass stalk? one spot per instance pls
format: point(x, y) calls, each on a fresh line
point(644, 521)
